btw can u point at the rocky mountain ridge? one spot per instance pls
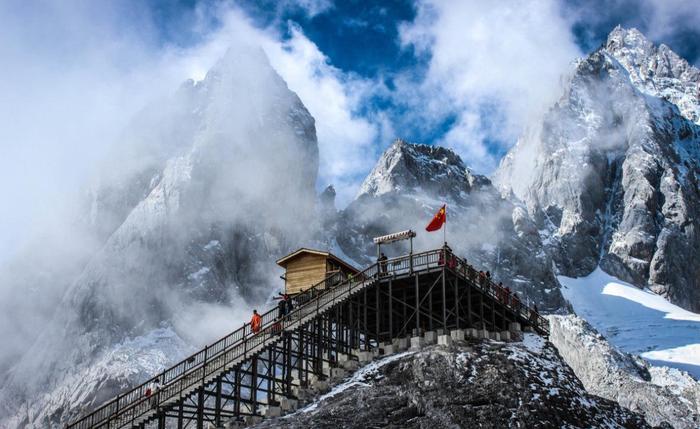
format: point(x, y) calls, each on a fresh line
point(408, 185)
point(661, 394)
point(610, 175)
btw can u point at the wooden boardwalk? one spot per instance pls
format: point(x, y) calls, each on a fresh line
point(244, 372)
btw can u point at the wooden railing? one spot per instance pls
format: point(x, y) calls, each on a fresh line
point(196, 369)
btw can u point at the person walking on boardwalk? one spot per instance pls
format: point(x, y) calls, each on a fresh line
point(152, 392)
point(382, 263)
point(289, 304)
point(533, 314)
point(255, 322)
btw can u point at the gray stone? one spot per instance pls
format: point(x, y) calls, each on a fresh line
point(514, 327)
point(288, 404)
point(320, 385)
point(351, 365)
point(365, 357)
point(417, 343)
point(273, 411)
point(430, 337)
point(338, 373)
point(252, 420)
point(457, 334)
point(444, 340)
point(402, 343)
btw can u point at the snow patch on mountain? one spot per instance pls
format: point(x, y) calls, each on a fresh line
point(636, 320)
point(657, 71)
point(661, 394)
point(93, 383)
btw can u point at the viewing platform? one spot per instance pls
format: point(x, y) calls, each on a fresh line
point(346, 318)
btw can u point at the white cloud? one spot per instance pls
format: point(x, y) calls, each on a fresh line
point(346, 141)
point(73, 76)
point(506, 57)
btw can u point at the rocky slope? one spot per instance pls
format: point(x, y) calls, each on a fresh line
point(661, 394)
point(474, 384)
point(610, 175)
point(408, 185)
point(191, 226)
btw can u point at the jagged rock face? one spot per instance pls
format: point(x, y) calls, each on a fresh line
point(410, 169)
point(661, 394)
point(480, 384)
point(220, 183)
point(610, 175)
point(409, 184)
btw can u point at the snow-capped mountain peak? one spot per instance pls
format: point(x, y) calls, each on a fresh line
point(610, 173)
point(657, 70)
point(409, 168)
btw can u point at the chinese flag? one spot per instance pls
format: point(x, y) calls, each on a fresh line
point(439, 219)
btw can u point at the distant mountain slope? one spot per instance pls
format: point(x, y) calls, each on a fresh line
point(611, 173)
point(217, 182)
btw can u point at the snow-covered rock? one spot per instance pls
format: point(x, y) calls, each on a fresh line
point(661, 394)
point(610, 173)
point(472, 384)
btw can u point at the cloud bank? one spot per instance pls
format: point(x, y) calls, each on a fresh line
point(494, 66)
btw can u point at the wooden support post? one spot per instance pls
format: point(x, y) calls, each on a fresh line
point(366, 327)
point(469, 306)
point(288, 364)
point(444, 300)
point(253, 384)
point(493, 315)
point(319, 346)
point(456, 288)
point(270, 375)
point(180, 416)
point(417, 303)
point(351, 335)
point(217, 406)
point(377, 313)
point(430, 311)
point(481, 310)
point(300, 357)
point(200, 408)
point(405, 306)
point(391, 310)
point(237, 395)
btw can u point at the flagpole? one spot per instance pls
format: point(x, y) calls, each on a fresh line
point(444, 230)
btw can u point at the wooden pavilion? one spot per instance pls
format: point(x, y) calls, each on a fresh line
point(308, 267)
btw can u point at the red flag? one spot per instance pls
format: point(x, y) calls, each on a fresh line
point(439, 219)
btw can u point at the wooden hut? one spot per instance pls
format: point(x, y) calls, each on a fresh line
point(308, 267)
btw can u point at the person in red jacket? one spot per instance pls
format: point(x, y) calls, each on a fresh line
point(255, 322)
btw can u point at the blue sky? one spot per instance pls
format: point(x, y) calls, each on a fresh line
point(469, 75)
point(363, 40)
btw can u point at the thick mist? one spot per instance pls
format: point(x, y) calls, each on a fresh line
point(203, 190)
